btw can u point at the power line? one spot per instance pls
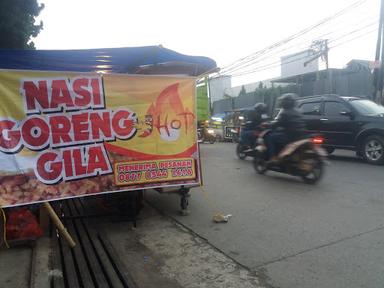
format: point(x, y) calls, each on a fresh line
point(303, 44)
point(268, 56)
point(354, 38)
point(304, 31)
point(355, 31)
point(252, 56)
point(277, 63)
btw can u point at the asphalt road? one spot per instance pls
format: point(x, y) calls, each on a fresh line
point(292, 234)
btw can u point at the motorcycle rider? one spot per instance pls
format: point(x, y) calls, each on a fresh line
point(253, 119)
point(287, 127)
point(201, 130)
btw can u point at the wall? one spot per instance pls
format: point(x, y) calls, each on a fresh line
point(346, 84)
point(217, 87)
point(294, 64)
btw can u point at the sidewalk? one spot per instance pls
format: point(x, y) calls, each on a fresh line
point(158, 253)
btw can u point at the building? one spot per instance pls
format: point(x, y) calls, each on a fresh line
point(299, 63)
point(218, 86)
point(355, 79)
point(249, 88)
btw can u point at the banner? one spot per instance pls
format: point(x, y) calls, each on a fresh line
point(65, 134)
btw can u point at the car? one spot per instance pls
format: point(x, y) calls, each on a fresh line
point(346, 122)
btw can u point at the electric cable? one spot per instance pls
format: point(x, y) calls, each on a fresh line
point(277, 62)
point(307, 42)
point(301, 45)
point(251, 57)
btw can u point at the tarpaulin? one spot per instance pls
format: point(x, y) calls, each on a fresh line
point(68, 134)
point(133, 60)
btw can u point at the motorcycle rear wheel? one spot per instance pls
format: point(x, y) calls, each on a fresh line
point(260, 165)
point(315, 174)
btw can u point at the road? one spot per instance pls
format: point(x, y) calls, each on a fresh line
point(290, 233)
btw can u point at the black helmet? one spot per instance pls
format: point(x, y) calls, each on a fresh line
point(260, 107)
point(287, 101)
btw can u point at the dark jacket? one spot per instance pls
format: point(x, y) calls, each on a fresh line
point(291, 123)
point(252, 120)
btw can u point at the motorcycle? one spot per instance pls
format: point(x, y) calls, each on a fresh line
point(304, 158)
point(245, 150)
point(206, 135)
point(235, 135)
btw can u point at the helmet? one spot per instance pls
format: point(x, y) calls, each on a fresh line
point(287, 101)
point(260, 108)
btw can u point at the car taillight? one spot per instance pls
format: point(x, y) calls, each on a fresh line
point(318, 140)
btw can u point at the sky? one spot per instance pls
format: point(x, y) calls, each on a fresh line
point(224, 30)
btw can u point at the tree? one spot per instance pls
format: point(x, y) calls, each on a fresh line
point(270, 95)
point(243, 92)
point(17, 23)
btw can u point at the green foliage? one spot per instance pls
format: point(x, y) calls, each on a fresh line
point(243, 92)
point(270, 95)
point(17, 23)
point(274, 91)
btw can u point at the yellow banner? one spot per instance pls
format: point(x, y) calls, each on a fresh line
point(138, 172)
point(68, 134)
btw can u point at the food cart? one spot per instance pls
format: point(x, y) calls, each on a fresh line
point(85, 122)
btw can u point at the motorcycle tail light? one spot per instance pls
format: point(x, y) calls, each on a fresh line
point(318, 140)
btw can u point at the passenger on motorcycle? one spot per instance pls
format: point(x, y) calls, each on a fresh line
point(253, 119)
point(287, 127)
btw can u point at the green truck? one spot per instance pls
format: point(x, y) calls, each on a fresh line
point(203, 112)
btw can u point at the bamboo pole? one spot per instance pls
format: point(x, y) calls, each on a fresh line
point(59, 225)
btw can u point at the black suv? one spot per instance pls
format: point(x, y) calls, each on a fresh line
point(346, 122)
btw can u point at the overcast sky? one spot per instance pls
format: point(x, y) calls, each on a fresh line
point(224, 30)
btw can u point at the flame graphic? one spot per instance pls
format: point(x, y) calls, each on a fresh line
point(167, 125)
point(168, 107)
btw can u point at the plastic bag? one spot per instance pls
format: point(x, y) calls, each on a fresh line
point(22, 224)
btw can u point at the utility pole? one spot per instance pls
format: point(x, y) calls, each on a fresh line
point(320, 49)
point(378, 72)
point(329, 72)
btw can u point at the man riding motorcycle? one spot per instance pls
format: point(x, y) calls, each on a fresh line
point(253, 120)
point(287, 126)
point(284, 147)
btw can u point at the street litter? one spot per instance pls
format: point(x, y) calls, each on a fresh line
point(221, 218)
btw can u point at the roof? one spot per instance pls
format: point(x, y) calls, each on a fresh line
point(240, 110)
point(358, 65)
point(353, 66)
point(319, 95)
point(308, 52)
point(351, 98)
point(307, 76)
point(332, 96)
point(134, 60)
